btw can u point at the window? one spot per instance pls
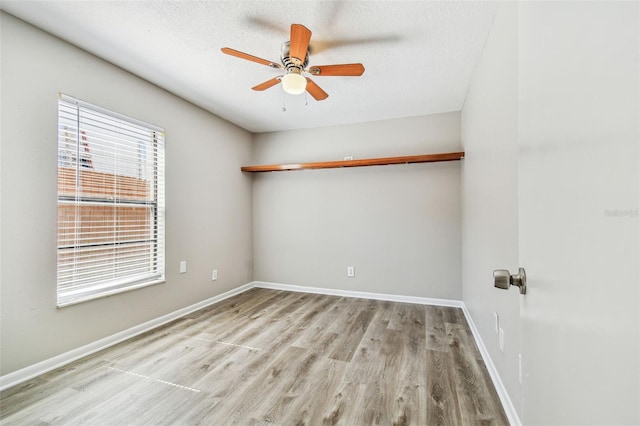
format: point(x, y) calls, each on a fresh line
point(110, 202)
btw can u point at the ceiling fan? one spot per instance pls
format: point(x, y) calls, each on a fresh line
point(295, 58)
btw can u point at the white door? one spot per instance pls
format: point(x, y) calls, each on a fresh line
point(578, 132)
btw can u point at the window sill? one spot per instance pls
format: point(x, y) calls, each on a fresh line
point(108, 293)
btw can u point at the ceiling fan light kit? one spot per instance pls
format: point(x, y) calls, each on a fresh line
point(295, 58)
point(294, 83)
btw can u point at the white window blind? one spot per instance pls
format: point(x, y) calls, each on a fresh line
point(110, 202)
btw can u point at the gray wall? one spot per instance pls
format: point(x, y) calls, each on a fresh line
point(208, 215)
point(490, 195)
point(398, 225)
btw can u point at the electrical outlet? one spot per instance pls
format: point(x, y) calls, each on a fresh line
point(183, 266)
point(214, 275)
point(496, 321)
point(351, 271)
point(501, 335)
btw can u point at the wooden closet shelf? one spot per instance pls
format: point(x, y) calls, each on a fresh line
point(425, 158)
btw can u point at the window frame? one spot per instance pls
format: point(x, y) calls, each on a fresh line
point(71, 291)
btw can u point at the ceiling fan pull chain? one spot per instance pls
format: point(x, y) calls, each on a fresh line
point(306, 103)
point(284, 106)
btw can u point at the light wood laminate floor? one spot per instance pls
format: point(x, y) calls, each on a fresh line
point(275, 357)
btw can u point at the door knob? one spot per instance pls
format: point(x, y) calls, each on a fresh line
point(503, 279)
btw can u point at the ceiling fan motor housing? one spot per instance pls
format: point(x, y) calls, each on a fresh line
point(290, 63)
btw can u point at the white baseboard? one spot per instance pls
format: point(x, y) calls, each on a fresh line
point(360, 294)
point(507, 404)
point(45, 366)
point(19, 376)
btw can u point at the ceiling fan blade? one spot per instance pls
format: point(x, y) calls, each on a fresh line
point(299, 43)
point(337, 70)
point(315, 90)
point(267, 84)
point(248, 57)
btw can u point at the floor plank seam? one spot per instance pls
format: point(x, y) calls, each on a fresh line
point(251, 348)
point(142, 376)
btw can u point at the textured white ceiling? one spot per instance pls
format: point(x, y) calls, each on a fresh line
point(419, 56)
